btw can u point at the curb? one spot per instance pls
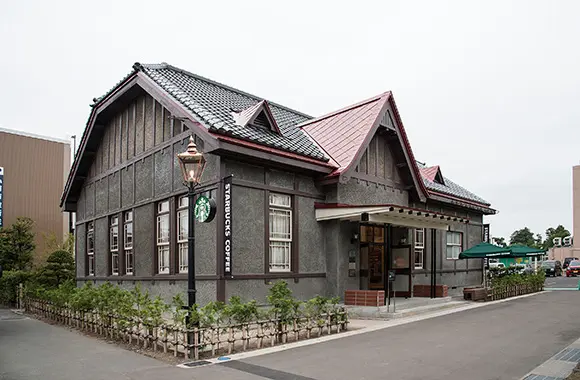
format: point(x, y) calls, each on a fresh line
point(559, 366)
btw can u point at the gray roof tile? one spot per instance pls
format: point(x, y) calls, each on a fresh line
point(214, 103)
point(451, 188)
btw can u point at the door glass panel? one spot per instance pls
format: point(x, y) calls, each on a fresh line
point(376, 257)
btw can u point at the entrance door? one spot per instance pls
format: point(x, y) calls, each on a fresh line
point(372, 250)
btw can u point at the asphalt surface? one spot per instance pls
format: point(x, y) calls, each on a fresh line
point(562, 282)
point(500, 341)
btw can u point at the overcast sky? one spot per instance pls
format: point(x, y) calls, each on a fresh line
point(489, 90)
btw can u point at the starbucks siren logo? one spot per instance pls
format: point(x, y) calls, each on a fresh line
point(204, 209)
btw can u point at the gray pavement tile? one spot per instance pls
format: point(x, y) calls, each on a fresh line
point(540, 377)
point(569, 354)
point(555, 368)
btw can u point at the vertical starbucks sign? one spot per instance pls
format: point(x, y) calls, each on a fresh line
point(228, 231)
point(1, 196)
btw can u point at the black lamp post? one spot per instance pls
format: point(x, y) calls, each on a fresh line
point(192, 164)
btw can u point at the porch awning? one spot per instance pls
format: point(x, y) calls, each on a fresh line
point(390, 214)
point(485, 250)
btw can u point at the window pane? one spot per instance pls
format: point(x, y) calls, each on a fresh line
point(90, 242)
point(280, 256)
point(280, 200)
point(128, 216)
point(115, 263)
point(182, 225)
point(163, 258)
point(419, 254)
point(129, 262)
point(128, 235)
point(163, 229)
point(280, 224)
point(114, 242)
point(183, 258)
point(163, 206)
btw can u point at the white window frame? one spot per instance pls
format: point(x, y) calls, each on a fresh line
point(448, 245)
point(114, 244)
point(162, 239)
point(128, 243)
point(419, 247)
point(91, 248)
point(182, 238)
point(280, 204)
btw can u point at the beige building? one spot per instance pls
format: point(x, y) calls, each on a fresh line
point(560, 253)
point(35, 169)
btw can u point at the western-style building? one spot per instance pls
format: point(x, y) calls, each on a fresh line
point(329, 203)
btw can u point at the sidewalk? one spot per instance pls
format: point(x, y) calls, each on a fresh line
point(559, 366)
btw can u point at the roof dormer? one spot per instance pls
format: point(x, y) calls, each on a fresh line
point(259, 115)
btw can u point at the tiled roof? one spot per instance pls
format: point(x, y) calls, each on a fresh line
point(213, 104)
point(342, 133)
point(430, 173)
point(450, 187)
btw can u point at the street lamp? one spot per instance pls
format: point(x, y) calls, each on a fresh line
point(192, 164)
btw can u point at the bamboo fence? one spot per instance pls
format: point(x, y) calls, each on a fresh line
point(192, 343)
point(501, 292)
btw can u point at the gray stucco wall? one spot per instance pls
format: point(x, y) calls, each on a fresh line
point(101, 246)
point(338, 244)
point(248, 229)
point(144, 238)
point(127, 191)
point(306, 288)
point(312, 251)
point(362, 192)
point(80, 248)
point(144, 179)
point(163, 172)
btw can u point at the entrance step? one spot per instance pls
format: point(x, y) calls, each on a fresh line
point(406, 310)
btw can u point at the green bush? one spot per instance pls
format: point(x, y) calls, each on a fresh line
point(59, 268)
point(126, 305)
point(9, 285)
point(508, 277)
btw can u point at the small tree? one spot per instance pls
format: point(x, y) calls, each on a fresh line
point(59, 268)
point(17, 245)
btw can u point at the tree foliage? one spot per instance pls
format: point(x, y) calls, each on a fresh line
point(552, 233)
point(17, 245)
point(59, 268)
point(499, 241)
point(523, 237)
point(53, 243)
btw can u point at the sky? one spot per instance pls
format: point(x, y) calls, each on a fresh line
point(488, 90)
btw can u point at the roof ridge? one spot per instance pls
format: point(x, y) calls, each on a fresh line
point(164, 65)
point(344, 109)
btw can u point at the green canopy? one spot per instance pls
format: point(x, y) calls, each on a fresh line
point(519, 250)
point(485, 250)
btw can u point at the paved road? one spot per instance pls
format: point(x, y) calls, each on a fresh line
point(500, 341)
point(562, 282)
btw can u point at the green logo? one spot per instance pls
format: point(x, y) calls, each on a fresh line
point(204, 209)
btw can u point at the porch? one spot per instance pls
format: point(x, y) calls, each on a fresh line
point(401, 307)
point(389, 246)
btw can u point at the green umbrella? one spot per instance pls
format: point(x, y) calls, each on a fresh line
point(485, 250)
point(519, 250)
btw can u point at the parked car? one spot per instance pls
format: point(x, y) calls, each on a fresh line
point(496, 265)
point(573, 268)
point(552, 267)
point(567, 261)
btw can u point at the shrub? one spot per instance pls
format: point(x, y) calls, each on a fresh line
point(9, 285)
point(59, 268)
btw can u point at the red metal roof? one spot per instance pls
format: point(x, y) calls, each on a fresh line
point(430, 172)
point(342, 133)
